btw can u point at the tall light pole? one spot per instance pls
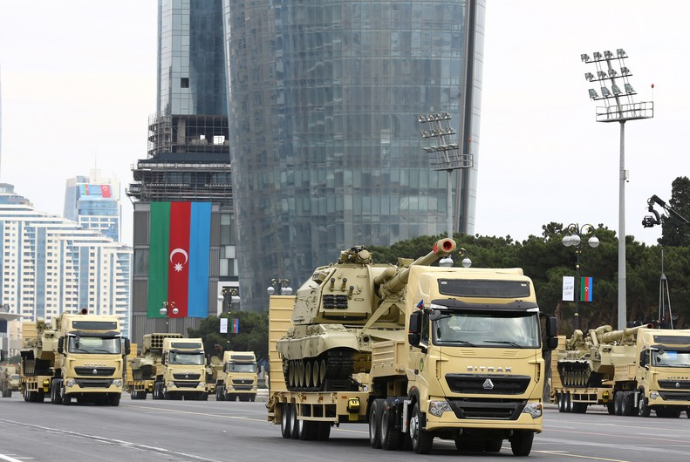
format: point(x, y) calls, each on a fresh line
point(444, 155)
point(574, 239)
point(166, 310)
point(619, 107)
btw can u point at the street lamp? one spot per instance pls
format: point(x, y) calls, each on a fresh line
point(283, 284)
point(574, 239)
point(444, 156)
point(165, 311)
point(619, 107)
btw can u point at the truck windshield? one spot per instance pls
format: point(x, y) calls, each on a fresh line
point(94, 345)
point(189, 359)
point(241, 367)
point(670, 358)
point(486, 330)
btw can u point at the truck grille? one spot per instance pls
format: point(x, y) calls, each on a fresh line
point(186, 376)
point(186, 384)
point(95, 371)
point(493, 384)
point(675, 395)
point(242, 381)
point(675, 384)
point(490, 410)
point(94, 383)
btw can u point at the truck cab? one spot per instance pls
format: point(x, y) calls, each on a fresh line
point(241, 377)
point(182, 371)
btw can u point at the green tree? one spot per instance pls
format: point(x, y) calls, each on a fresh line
point(252, 335)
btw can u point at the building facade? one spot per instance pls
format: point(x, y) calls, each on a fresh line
point(51, 265)
point(188, 155)
point(324, 99)
point(94, 203)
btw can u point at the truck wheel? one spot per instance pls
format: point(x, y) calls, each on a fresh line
point(294, 422)
point(375, 424)
point(626, 405)
point(521, 442)
point(390, 436)
point(494, 445)
point(252, 398)
point(114, 400)
point(66, 399)
point(307, 430)
point(285, 420)
point(323, 431)
point(220, 393)
point(422, 441)
point(55, 396)
point(568, 402)
point(618, 403)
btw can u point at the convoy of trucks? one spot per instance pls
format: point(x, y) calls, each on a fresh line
point(418, 352)
point(632, 371)
point(240, 377)
point(76, 356)
point(170, 367)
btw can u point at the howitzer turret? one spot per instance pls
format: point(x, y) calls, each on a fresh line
point(326, 343)
point(588, 361)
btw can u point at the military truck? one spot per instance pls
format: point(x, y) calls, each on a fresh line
point(416, 351)
point(240, 377)
point(632, 371)
point(214, 374)
point(9, 380)
point(169, 367)
point(76, 356)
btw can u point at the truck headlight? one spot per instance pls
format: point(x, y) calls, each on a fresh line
point(437, 408)
point(533, 409)
point(171, 384)
point(202, 384)
point(117, 382)
point(229, 387)
point(70, 382)
point(653, 394)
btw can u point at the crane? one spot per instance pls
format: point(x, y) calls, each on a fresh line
point(650, 220)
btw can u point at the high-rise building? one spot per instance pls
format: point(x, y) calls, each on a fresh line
point(51, 265)
point(94, 203)
point(324, 99)
point(188, 158)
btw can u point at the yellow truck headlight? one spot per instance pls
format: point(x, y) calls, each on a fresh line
point(533, 409)
point(171, 384)
point(653, 394)
point(70, 382)
point(437, 408)
point(202, 384)
point(117, 382)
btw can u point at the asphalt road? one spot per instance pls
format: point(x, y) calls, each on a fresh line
point(235, 431)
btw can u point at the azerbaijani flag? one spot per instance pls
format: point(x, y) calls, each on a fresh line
point(179, 246)
point(235, 326)
point(586, 289)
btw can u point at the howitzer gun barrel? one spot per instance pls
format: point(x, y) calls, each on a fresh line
point(442, 248)
point(616, 335)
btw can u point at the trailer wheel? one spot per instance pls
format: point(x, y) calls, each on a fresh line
point(285, 420)
point(294, 422)
point(568, 402)
point(390, 436)
point(422, 441)
point(626, 404)
point(375, 423)
point(618, 403)
point(521, 442)
point(644, 410)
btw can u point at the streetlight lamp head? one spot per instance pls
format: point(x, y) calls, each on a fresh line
point(175, 311)
point(270, 290)
point(445, 262)
point(466, 262)
point(163, 311)
point(566, 240)
point(575, 240)
point(593, 242)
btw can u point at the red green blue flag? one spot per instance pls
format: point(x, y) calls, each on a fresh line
point(235, 326)
point(586, 289)
point(179, 247)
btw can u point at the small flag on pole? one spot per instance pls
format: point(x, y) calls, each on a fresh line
point(235, 326)
point(586, 289)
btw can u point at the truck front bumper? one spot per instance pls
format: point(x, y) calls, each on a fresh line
point(517, 415)
point(79, 385)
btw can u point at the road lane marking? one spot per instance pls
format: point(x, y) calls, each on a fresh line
point(9, 459)
point(565, 454)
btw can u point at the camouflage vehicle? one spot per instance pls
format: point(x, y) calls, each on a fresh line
point(9, 380)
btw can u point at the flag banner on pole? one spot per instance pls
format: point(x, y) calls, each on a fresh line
point(586, 289)
point(223, 325)
point(568, 289)
point(235, 326)
point(179, 247)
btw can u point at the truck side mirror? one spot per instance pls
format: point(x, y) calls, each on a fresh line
point(643, 359)
point(551, 326)
point(551, 343)
point(61, 344)
point(415, 331)
point(128, 347)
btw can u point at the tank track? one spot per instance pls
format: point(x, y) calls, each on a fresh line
point(330, 371)
point(577, 374)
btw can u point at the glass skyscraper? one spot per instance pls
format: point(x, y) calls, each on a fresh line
point(325, 145)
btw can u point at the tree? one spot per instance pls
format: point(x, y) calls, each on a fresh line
point(675, 233)
point(252, 335)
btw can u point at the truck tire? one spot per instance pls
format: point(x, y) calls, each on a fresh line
point(294, 422)
point(285, 420)
point(644, 410)
point(220, 393)
point(626, 404)
point(66, 399)
point(521, 442)
point(618, 403)
point(55, 396)
point(375, 423)
point(390, 436)
point(422, 441)
point(114, 400)
point(323, 431)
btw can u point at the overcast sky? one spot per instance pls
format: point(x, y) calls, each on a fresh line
point(79, 82)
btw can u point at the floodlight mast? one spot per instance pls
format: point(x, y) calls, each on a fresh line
point(444, 155)
point(619, 107)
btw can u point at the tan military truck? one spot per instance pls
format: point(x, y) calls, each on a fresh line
point(416, 351)
point(9, 380)
point(632, 371)
point(240, 377)
point(145, 365)
point(76, 356)
point(182, 372)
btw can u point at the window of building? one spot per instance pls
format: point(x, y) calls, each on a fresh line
point(184, 82)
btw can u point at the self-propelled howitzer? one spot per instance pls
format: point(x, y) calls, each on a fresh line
point(339, 311)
